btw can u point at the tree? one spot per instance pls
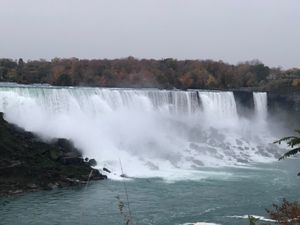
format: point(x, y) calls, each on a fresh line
point(20, 63)
point(166, 73)
point(287, 213)
point(293, 142)
point(211, 82)
point(20, 69)
point(64, 80)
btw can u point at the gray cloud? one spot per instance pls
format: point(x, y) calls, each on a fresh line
point(230, 30)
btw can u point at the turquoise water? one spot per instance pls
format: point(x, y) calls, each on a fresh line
point(213, 198)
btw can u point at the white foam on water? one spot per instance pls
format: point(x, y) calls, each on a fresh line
point(261, 218)
point(155, 133)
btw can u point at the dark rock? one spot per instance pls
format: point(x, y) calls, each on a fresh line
point(53, 185)
point(124, 175)
point(285, 106)
point(55, 154)
point(106, 170)
point(32, 186)
point(18, 191)
point(244, 102)
point(71, 160)
point(29, 164)
point(65, 145)
point(74, 154)
point(96, 175)
point(92, 162)
point(75, 181)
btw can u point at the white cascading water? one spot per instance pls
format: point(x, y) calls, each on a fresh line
point(219, 106)
point(153, 132)
point(260, 103)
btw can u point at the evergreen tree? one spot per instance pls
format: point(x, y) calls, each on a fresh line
point(293, 142)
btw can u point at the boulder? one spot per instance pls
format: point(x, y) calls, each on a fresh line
point(106, 170)
point(92, 162)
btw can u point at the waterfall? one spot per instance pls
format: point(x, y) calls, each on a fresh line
point(152, 131)
point(260, 104)
point(218, 104)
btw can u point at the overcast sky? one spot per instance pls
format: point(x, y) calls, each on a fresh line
point(228, 30)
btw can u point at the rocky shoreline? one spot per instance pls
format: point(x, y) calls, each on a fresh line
point(29, 164)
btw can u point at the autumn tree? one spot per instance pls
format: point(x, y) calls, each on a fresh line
point(131, 72)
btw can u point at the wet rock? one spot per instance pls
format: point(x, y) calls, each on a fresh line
point(65, 145)
point(75, 181)
point(29, 164)
point(96, 175)
point(32, 186)
point(55, 154)
point(18, 191)
point(71, 160)
point(53, 185)
point(74, 154)
point(92, 162)
point(123, 175)
point(106, 170)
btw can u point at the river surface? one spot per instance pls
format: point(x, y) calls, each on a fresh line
point(217, 196)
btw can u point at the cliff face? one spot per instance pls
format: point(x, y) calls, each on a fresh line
point(28, 164)
point(286, 100)
point(283, 106)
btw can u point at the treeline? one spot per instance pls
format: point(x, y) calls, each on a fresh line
point(165, 73)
